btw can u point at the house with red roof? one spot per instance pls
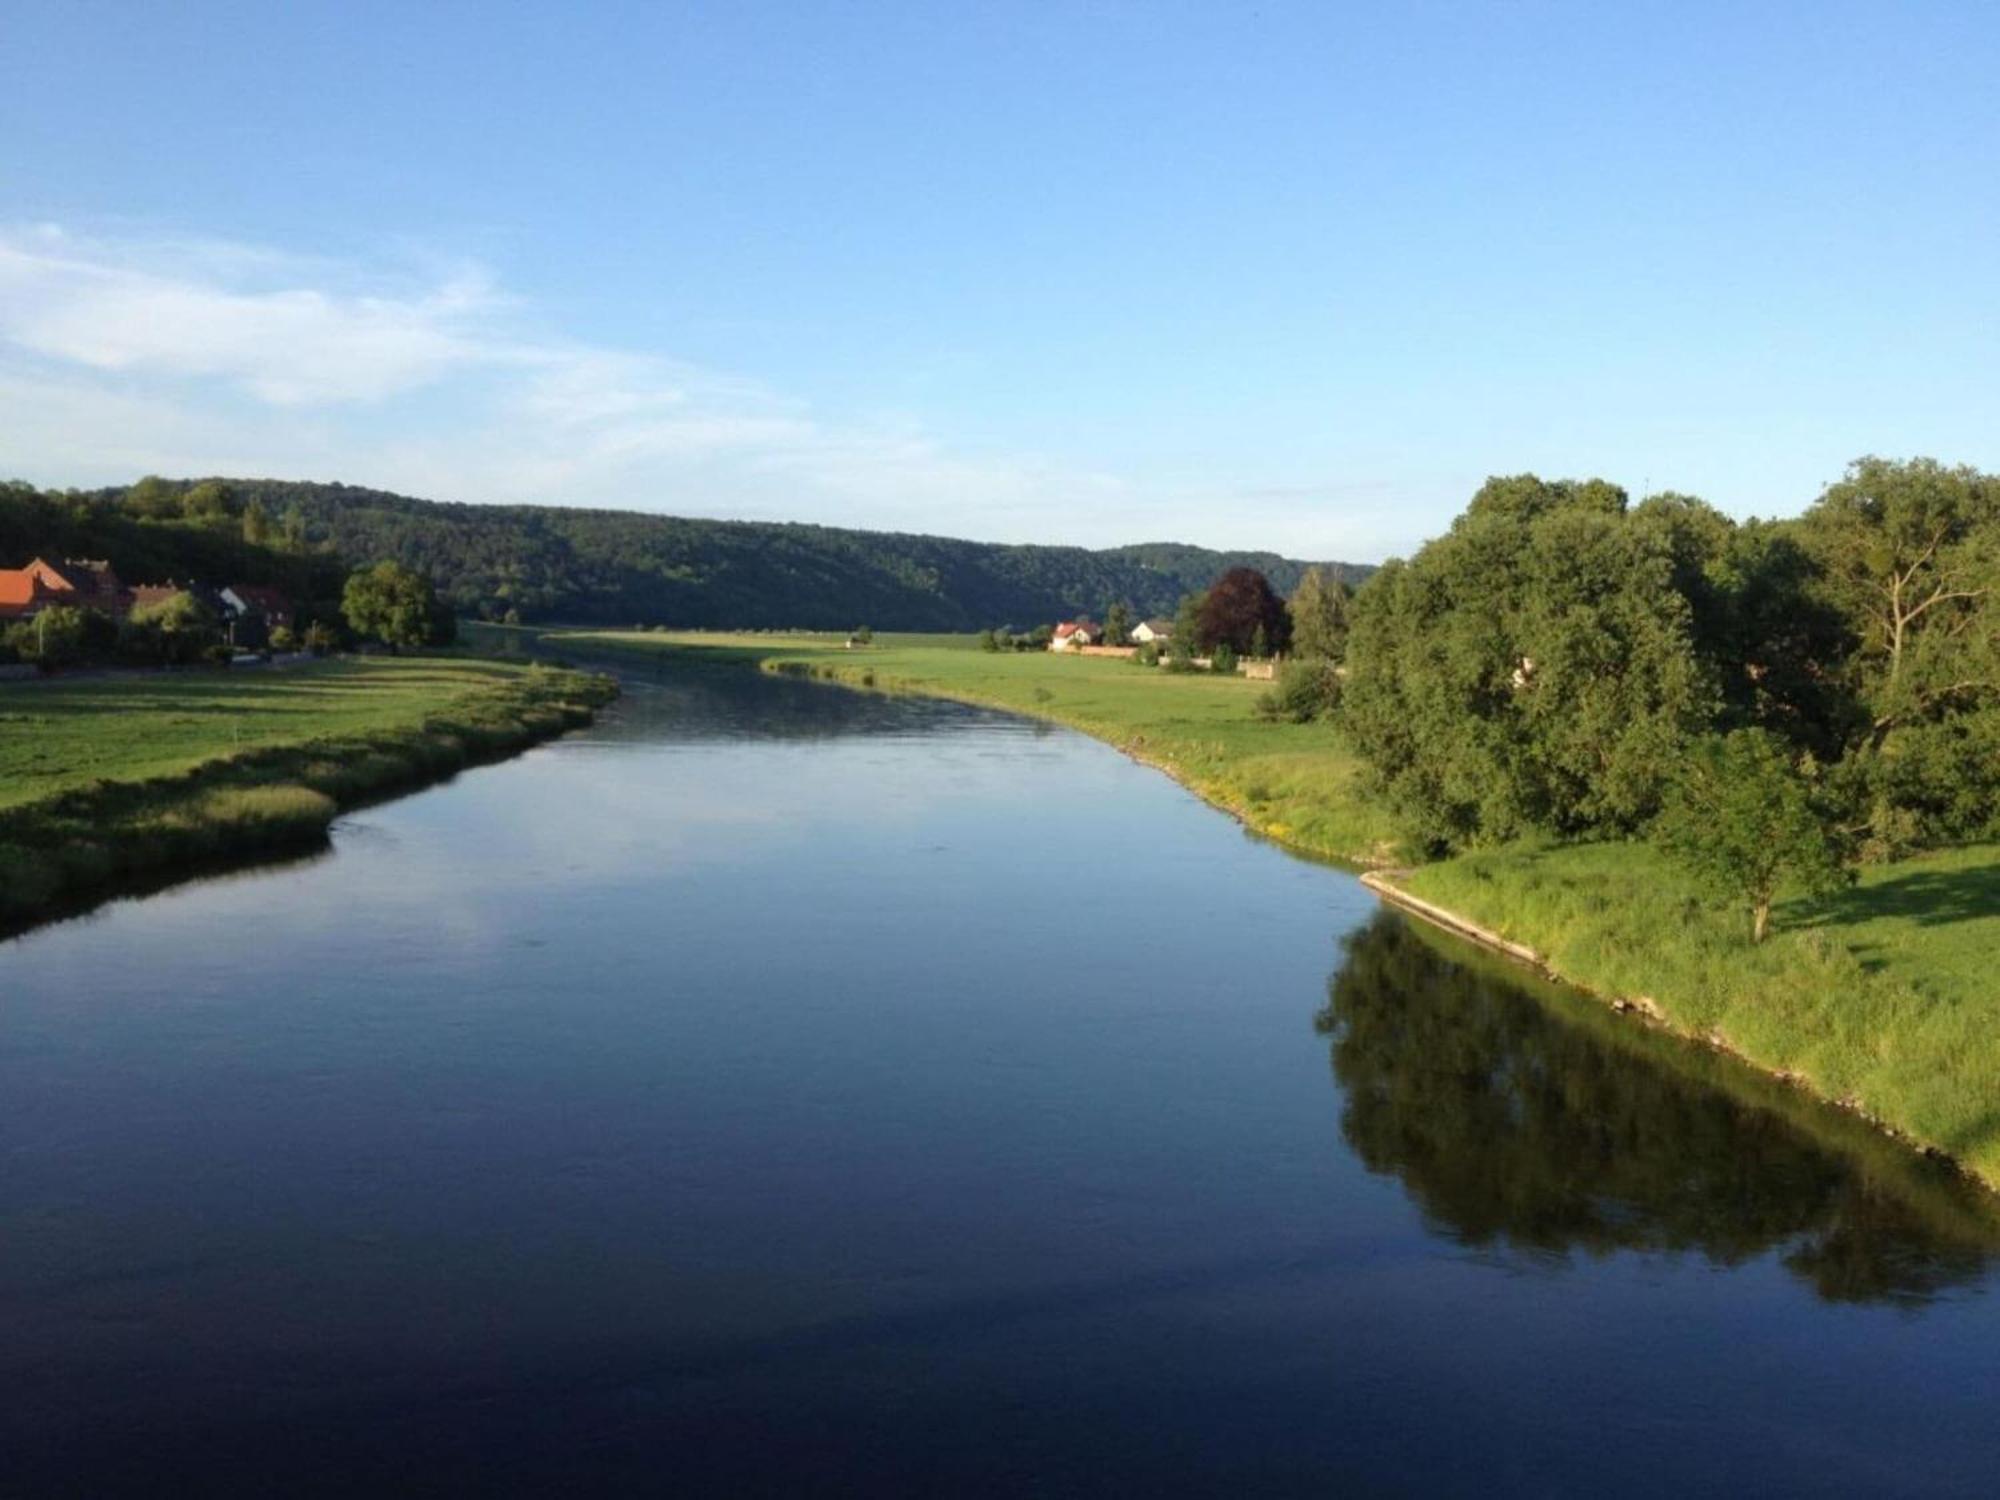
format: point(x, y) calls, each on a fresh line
point(79, 583)
point(1074, 633)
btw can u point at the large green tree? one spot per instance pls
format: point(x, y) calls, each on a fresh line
point(1534, 669)
point(1318, 610)
point(1909, 552)
point(395, 605)
point(1912, 552)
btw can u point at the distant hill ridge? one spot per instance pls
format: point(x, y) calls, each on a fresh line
point(616, 566)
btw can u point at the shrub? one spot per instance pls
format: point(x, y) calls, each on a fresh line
point(1304, 691)
point(1223, 660)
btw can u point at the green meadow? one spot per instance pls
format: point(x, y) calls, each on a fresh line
point(114, 780)
point(1881, 998)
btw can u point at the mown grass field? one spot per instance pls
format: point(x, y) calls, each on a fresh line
point(124, 779)
point(59, 735)
point(1885, 998)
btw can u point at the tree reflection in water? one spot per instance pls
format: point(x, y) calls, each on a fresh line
point(1550, 1126)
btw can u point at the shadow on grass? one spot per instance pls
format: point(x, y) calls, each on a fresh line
point(1926, 897)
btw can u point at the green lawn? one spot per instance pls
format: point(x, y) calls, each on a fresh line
point(56, 736)
point(1886, 997)
point(114, 780)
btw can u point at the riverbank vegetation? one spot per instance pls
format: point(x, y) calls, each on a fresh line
point(109, 781)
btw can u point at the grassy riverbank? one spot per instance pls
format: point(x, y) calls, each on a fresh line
point(1881, 998)
point(118, 780)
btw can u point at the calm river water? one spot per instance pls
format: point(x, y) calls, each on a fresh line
point(781, 1090)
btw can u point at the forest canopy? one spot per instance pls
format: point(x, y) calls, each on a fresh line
point(551, 563)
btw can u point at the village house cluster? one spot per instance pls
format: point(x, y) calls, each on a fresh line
point(1075, 635)
point(248, 612)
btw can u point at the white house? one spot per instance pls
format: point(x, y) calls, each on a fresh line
point(1152, 630)
point(1073, 633)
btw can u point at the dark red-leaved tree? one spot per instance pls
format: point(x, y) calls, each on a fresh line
point(1241, 604)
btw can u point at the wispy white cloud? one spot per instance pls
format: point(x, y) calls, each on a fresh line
point(126, 355)
point(84, 303)
point(193, 355)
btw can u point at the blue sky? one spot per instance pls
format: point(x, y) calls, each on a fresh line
point(1271, 275)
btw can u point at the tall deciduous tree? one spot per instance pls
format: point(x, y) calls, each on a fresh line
point(257, 528)
point(1741, 818)
point(1240, 603)
point(395, 605)
point(207, 502)
point(1318, 610)
point(1118, 624)
point(1185, 640)
point(1533, 669)
point(1912, 552)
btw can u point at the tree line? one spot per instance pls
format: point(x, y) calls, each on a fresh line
point(1768, 700)
point(555, 563)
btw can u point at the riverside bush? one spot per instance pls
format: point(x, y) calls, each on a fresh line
point(1304, 691)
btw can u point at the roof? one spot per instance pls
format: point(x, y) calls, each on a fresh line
point(144, 594)
point(262, 597)
point(84, 574)
point(18, 590)
point(87, 583)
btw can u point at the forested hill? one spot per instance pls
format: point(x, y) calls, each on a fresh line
point(554, 563)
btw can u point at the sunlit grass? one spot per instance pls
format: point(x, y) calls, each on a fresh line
point(60, 735)
point(113, 780)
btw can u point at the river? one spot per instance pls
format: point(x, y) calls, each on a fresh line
point(775, 1089)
